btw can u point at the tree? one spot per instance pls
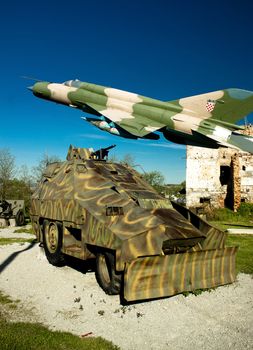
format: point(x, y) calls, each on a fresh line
point(128, 159)
point(113, 159)
point(155, 179)
point(39, 169)
point(22, 187)
point(176, 192)
point(19, 189)
point(7, 169)
point(24, 174)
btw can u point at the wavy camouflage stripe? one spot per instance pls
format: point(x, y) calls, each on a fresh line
point(152, 277)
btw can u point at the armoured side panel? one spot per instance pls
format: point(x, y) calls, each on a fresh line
point(96, 233)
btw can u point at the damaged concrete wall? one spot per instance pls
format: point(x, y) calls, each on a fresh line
point(246, 175)
point(218, 177)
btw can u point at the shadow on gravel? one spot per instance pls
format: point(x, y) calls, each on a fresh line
point(83, 266)
point(14, 255)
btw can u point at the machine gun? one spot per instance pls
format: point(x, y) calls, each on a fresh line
point(101, 153)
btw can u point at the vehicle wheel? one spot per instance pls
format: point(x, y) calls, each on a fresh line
point(20, 218)
point(52, 240)
point(106, 275)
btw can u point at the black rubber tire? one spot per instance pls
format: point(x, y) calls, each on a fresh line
point(20, 218)
point(53, 251)
point(107, 277)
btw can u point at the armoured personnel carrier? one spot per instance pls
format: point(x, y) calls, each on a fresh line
point(89, 207)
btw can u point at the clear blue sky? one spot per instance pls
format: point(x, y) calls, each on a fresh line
point(160, 49)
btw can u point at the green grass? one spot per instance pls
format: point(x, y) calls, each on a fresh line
point(4, 241)
point(244, 258)
point(243, 216)
point(33, 336)
point(24, 230)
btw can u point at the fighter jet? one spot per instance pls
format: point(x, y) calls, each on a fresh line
point(206, 120)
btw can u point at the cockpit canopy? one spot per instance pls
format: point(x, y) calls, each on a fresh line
point(73, 83)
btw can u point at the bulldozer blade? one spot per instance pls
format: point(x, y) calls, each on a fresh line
point(167, 275)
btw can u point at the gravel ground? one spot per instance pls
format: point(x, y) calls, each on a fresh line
point(69, 300)
point(9, 232)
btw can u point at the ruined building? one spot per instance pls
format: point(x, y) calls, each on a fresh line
point(218, 177)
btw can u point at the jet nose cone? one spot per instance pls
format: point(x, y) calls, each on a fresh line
point(41, 90)
point(30, 88)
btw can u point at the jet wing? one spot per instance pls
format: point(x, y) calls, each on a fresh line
point(220, 108)
point(224, 106)
point(136, 125)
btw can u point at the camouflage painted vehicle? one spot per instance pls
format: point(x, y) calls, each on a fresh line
point(88, 207)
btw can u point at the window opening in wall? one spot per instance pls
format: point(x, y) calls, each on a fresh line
point(204, 200)
point(244, 167)
point(224, 174)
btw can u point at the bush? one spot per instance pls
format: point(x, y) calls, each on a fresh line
point(244, 214)
point(246, 210)
point(221, 214)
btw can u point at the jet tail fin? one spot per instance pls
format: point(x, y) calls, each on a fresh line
point(228, 105)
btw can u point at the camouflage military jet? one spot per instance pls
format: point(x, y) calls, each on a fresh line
point(205, 120)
